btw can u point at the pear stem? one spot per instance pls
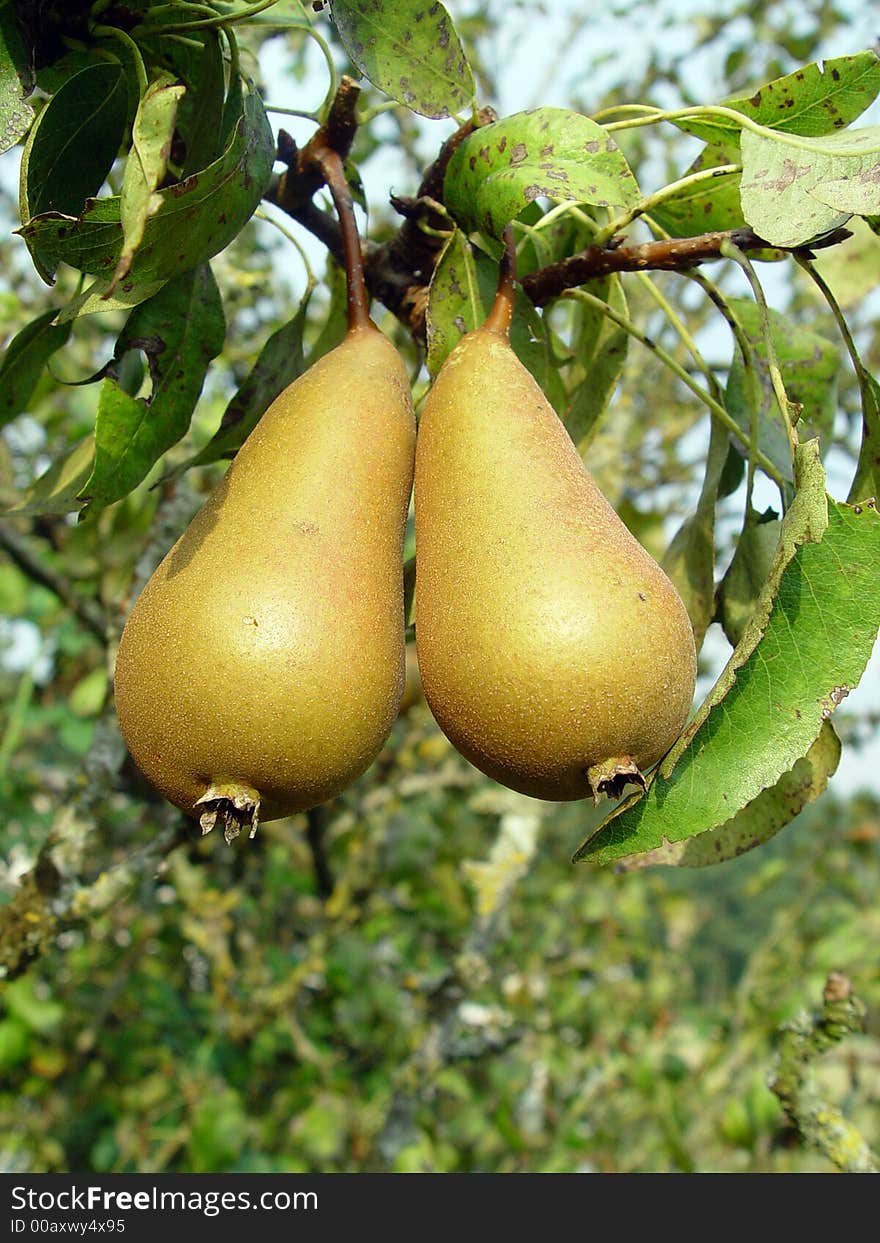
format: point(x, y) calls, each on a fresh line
point(358, 299)
point(500, 317)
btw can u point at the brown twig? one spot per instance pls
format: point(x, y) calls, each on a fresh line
point(39, 572)
point(672, 255)
point(358, 298)
point(500, 316)
point(294, 189)
point(802, 1041)
point(398, 272)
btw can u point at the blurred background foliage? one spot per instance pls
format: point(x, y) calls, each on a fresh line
point(463, 998)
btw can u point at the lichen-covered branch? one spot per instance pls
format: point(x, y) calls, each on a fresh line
point(54, 895)
point(821, 1124)
point(58, 891)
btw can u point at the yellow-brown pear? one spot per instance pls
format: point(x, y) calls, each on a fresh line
point(554, 652)
point(261, 669)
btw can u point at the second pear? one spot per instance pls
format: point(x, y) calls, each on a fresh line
point(555, 653)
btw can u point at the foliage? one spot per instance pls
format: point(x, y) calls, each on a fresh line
point(452, 1004)
point(227, 1018)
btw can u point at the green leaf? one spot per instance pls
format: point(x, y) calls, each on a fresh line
point(335, 325)
point(72, 147)
point(792, 192)
point(201, 123)
point(811, 101)
point(100, 297)
point(462, 292)
point(39, 1013)
point(410, 50)
point(234, 108)
point(499, 169)
point(856, 187)
point(759, 820)
point(740, 589)
point(707, 206)
point(803, 650)
point(810, 366)
point(198, 216)
point(16, 81)
point(57, 490)
point(24, 360)
point(15, 1044)
point(88, 696)
point(145, 166)
point(455, 301)
point(866, 481)
point(180, 330)
point(850, 269)
point(690, 557)
point(540, 247)
point(601, 351)
point(280, 362)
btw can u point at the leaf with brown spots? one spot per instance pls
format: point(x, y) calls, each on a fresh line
point(462, 291)
point(198, 216)
point(804, 648)
point(543, 153)
point(705, 206)
point(409, 49)
point(180, 330)
point(151, 135)
point(16, 81)
point(811, 101)
point(795, 189)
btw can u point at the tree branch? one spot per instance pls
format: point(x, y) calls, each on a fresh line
point(52, 895)
point(803, 1040)
point(294, 189)
point(38, 571)
point(672, 255)
point(399, 271)
point(448, 1039)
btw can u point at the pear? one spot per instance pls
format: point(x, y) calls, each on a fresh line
point(555, 654)
point(261, 669)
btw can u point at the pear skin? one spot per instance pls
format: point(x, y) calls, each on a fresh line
point(261, 669)
point(555, 654)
